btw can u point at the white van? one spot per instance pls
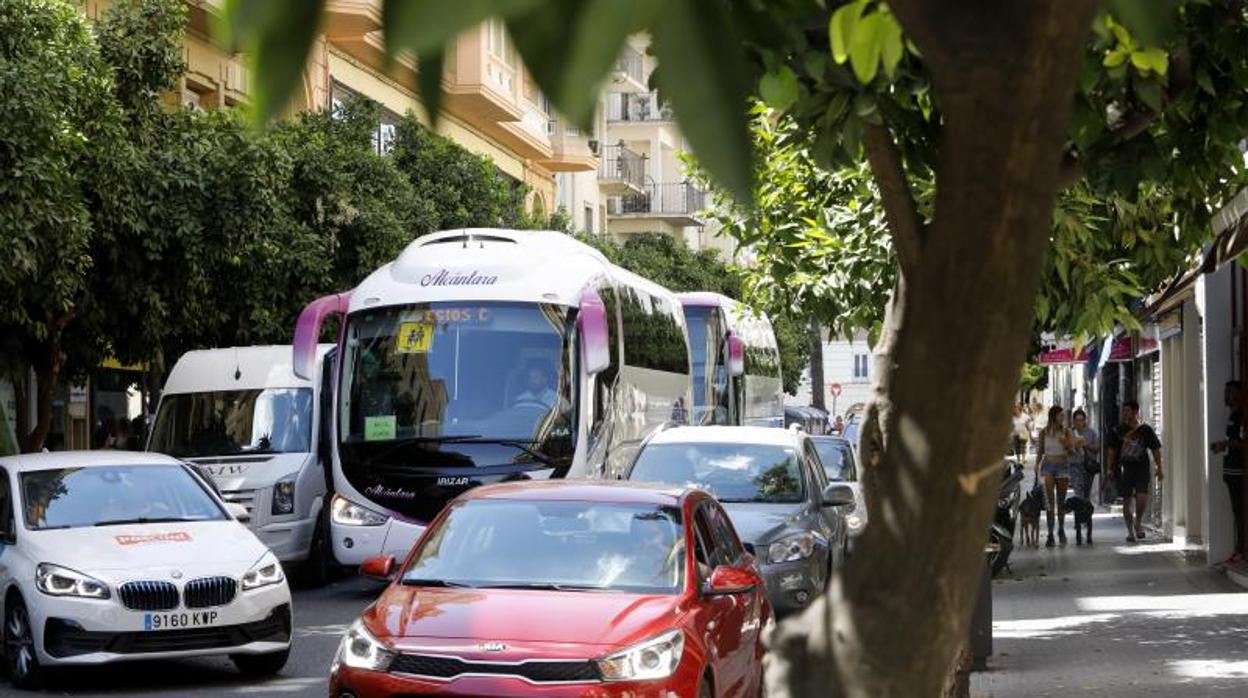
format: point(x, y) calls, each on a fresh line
point(242, 416)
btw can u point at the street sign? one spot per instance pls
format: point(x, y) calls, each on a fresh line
point(834, 389)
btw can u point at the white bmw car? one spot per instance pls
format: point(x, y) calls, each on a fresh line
point(116, 555)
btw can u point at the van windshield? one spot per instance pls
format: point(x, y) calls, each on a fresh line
point(234, 422)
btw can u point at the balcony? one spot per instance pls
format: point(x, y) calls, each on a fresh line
point(628, 75)
point(622, 171)
point(677, 203)
point(572, 150)
point(637, 107)
point(481, 83)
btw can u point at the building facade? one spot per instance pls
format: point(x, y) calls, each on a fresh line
point(847, 363)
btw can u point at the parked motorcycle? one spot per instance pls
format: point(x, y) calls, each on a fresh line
point(1005, 518)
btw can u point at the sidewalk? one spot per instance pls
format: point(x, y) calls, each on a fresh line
point(1115, 620)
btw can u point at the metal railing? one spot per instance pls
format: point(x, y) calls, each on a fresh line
point(630, 63)
point(637, 106)
point(673, 198)
point(619, 163)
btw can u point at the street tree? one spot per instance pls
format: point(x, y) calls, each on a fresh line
point(999, 106)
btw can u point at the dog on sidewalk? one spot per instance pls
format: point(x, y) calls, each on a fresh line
point(1029, 511)
point(1082, 510)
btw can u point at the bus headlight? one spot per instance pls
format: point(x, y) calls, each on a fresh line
point(347, 513)
point(284, 496)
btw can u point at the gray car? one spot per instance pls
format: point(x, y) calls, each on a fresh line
point(840, 463)
point(776, 493)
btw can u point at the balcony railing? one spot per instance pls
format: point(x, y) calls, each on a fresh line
point(620, 164)
point(630, 64)
point(637, 106)
point(670, 199)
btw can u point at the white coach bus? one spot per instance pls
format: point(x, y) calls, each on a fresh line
point(736, 363)
point(484, 355)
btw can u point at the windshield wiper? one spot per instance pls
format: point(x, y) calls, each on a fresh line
point(544, 586)
point(515, 443)
point(144, 520)
point(411, 440)
point(417, 582)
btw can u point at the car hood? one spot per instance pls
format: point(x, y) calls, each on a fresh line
point(520, 615)
point(760, 524)
point(125, 547)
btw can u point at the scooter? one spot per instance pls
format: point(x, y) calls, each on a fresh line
point(1005, 518)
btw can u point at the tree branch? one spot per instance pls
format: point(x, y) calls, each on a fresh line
point(900, 210)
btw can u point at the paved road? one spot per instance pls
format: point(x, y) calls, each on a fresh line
point(321, 616)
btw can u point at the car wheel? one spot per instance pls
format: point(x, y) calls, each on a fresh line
point(259, 665)
point(318, 570)
point(20, 658)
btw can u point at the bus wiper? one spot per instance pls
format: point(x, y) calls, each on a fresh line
point(515, 443)
point(410, 440)
point(144, 520)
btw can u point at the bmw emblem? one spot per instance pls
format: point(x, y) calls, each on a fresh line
point(493, 646)
point(176, 574)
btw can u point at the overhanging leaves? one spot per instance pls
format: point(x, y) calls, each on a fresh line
point(277, 36)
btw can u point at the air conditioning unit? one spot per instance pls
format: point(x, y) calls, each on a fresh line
point(593, 145)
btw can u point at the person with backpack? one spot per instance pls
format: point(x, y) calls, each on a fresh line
point(1129, 466)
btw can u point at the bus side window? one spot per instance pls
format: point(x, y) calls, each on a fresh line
point(604, 382)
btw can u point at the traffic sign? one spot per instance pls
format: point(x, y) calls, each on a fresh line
point(835, 389)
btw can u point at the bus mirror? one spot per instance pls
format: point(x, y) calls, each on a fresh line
point(592, 323)
point(308, 330)
point(736, 355)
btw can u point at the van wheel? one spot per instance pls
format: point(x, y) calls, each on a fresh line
point(318, 570)
point(20, 658)
point(261, 665)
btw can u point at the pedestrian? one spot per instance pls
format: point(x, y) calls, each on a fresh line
point(1055, 445)
point(1085, 461)
point(1022, 432)
point(1129, 447)
point(838, 427)
point(1233, 460)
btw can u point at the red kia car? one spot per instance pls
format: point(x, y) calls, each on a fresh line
point(564, 588)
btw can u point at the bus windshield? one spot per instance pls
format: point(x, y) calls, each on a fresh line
point(444, 371)
point(710, 375)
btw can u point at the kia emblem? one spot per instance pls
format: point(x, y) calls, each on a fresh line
point(493, 647)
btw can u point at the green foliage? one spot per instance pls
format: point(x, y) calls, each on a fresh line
point(670, 263)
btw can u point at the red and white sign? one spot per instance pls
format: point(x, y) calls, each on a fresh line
point(834, 389)
point(173, 537)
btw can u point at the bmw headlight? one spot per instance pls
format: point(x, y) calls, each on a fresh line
point(656, 658)
point(284, 497)
point(55, 580)
point(360, 650)
point(791, 548)
point(347, 513)
point(262, 574)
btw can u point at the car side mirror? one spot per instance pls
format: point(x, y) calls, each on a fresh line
point(238, 512)
point(838, 494)
point(727, 580)
point(378, 567)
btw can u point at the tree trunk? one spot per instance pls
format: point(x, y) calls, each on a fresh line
point(47, 376)
point(894, 622)
point(817, 385)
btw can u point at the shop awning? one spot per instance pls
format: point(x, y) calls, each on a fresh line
point(1120, 351)
point(1230, 240)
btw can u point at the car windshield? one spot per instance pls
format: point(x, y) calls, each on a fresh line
point(115, 494)
point(838, 459)
point(436, 370)
point(732, 472)
point(554, 545)
point(230, 422)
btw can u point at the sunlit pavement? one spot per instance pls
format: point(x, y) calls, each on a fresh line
point(1115, 619)
point(321, 616)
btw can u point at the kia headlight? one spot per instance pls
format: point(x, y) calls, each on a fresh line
point(656, 658)
point(262, 574)
point(360, 650)
point(284, 497)
point(55, 580)
point(791, 548)
point(347, 513)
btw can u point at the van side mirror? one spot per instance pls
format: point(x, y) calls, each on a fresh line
point(378, 567)
point(308, 330)
point(838, 494)
point(727, 580)
point(736, 355)
point(592, 321)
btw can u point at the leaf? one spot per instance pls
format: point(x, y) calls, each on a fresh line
point(865, 46)
point(779, 89)
point(1150, 60)
point(429, 75)
point(1150, 21)
point(424, 25)
point(894, 46)
point(1149, 92)
point(1115, 58)
point(841, 28)
point(1205, 83)
point(276, 36)
point(704, 76)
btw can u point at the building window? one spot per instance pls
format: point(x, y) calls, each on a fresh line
point(383, 135)
point(861, 364)
point(589, 218)
point(499, 43)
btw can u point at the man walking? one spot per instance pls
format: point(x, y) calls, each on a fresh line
point(1233, 461)
point(1129, 447)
